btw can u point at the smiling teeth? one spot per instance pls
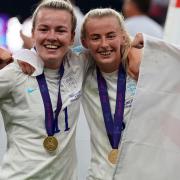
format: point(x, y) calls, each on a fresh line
point(51, 46)
point(105, 53)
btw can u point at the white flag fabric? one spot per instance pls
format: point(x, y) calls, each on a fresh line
point(150, 147)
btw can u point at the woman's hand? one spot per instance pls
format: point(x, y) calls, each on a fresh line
point(26, 68)
point(135, 55)
point(5, 57)
point(138, 41)
point(134, 61)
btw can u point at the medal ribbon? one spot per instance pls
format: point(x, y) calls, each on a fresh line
point(51, 122)
point(113, 128)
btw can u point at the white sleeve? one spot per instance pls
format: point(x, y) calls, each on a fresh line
point(7, 79)
point(30, 57)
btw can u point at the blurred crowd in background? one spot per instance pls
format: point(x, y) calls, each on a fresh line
point(143, 15)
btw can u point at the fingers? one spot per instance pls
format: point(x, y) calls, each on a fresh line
point(138, 41)
point(26, 68)
point(5, 55)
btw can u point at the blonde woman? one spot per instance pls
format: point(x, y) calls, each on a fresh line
point(108, 90)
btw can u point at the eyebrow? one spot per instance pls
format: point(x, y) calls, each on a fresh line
point(44, 25)
point(94, 34)
point(106, 34)
point(112, 32)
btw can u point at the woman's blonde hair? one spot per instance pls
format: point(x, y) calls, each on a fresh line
point(57, 5)
point(106, 12)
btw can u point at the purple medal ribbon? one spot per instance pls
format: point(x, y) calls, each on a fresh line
point(113, 128)
point(51, 122)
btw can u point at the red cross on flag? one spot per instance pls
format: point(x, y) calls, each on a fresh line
point(178, 3)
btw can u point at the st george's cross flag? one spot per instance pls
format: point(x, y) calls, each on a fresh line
point(150, 148)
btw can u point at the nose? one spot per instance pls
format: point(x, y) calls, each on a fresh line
point(104, 42)
point(51, 35)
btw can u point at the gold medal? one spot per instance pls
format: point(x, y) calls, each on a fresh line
point(50, 143)
point(113, 155)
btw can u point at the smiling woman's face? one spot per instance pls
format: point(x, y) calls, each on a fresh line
point(104, 38)
point(52, 35)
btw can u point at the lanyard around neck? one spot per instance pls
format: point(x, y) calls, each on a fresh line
point(51, 121)
point(113, 128)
